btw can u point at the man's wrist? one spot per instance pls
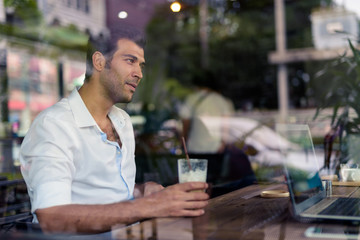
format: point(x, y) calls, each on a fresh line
point(138, 191)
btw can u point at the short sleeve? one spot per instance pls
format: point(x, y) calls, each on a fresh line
point(47, 163)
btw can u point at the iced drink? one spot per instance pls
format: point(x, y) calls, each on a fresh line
point(194, 170)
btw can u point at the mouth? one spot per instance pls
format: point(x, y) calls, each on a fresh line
point(132, 86)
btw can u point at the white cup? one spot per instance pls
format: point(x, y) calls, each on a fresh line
point(350, 174)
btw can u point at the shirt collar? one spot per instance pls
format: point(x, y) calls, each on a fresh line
point(116, 117)
point(82, 116)
point(80, 112)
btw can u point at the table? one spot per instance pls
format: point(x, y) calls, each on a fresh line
point(242, 214)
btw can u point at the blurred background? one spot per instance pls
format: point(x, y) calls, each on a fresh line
point(277, 61)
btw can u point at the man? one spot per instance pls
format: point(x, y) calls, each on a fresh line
point(204, 116)
point(78, 156)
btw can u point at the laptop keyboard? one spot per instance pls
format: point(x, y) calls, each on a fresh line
point(343, 207)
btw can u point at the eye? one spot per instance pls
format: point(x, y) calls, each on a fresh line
point(129, 60)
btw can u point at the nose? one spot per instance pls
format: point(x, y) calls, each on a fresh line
point(138, 73)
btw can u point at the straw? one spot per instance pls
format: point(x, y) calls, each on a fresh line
point(186, 153)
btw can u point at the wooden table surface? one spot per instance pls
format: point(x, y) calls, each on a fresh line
point(242, 214)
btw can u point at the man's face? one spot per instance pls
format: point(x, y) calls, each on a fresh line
point(124, 72)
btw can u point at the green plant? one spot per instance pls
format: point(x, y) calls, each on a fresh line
point(340, 90)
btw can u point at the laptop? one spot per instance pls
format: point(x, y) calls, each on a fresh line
point(305, 186)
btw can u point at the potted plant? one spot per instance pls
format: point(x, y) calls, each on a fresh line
point(340, 81)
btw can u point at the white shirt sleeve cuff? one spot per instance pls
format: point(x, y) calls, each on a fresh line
point(51, 194)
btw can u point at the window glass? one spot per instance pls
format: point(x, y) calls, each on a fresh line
point(214, 85)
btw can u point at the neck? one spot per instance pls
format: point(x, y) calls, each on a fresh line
point(96, 103)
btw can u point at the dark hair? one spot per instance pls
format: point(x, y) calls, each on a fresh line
point(107, 46)
point(205, 78)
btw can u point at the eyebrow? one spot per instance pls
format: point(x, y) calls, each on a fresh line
point(134, 58)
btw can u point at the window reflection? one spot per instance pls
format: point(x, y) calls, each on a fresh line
point(42, 59)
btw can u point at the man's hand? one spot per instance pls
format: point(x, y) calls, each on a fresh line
point(179, 200)
point(152, 187)
point(142, 190)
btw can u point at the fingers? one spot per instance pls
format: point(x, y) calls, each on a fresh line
point(179, 200)
point(198, 195)
point(190, 213)
point(195, 205)
point(192, 186)
point(190, 191)
point(188, 209)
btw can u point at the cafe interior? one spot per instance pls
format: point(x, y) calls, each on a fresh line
point(276, 139)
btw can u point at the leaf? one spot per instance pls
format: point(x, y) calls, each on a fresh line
point(335, 110)
point(355, 52)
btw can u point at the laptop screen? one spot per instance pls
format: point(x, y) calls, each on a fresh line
point(301, 165)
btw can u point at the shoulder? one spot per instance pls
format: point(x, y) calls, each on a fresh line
point(51, 125)
point(58, 116)
point(216, 97)
point(192, 98)
point(59, 112)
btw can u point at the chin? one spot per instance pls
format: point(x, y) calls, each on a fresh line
point(123, 99)
point(126, 100)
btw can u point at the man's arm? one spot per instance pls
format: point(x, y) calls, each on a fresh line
point(174, 201)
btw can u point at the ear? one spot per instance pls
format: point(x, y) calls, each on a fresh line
point(98, 60)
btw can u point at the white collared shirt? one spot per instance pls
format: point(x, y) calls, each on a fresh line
point(67, 159)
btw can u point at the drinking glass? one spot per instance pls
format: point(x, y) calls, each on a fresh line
point(192, 170)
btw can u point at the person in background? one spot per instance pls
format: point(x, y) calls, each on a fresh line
point(78, 161)
point(204, 115)
point(205, 118)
